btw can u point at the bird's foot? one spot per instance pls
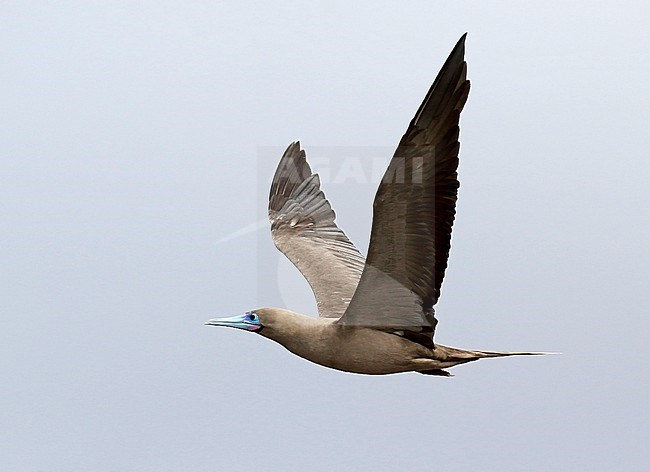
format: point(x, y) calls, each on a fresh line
point(440, 372)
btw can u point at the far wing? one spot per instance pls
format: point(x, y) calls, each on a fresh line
point(413, 215)
point(303, 228)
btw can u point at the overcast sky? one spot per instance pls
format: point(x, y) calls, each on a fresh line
point(137, 137)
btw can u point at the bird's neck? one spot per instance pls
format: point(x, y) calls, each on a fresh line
point(303, 335)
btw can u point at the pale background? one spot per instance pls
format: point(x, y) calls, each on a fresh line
point(135, 136)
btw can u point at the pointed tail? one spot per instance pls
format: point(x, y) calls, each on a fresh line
point(461, 356)
point(484, 354)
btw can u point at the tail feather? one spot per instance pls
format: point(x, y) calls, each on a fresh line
point(462, 356)
point(450, 356)
point(483, 354)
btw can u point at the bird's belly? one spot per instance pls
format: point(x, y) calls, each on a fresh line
point(364, 351)
point(369, 366)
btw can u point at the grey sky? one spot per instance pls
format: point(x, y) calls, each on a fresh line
point(135, 135)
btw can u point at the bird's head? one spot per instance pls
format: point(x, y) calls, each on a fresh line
point(273, 323)
point(282, 326)
point(250, 321)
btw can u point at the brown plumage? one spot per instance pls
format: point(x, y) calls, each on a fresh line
point(376, 315)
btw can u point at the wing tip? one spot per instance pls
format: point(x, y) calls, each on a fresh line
point(459, 49)
point(292, 148)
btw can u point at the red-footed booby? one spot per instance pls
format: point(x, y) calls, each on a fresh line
point(376, 314)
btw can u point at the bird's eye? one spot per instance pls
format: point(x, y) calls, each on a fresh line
point(251, 316)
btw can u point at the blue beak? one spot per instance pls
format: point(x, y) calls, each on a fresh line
point(247, 321)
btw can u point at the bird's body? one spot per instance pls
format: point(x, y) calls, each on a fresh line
point(376, 314)
point(352, 349)
point(359, 349)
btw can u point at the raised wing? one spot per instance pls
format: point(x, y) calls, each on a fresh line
point(413, 215)
point(303, 228)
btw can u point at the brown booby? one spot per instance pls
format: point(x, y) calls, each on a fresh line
point(376, 314)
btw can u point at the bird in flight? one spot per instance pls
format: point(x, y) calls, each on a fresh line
point(376, 314)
